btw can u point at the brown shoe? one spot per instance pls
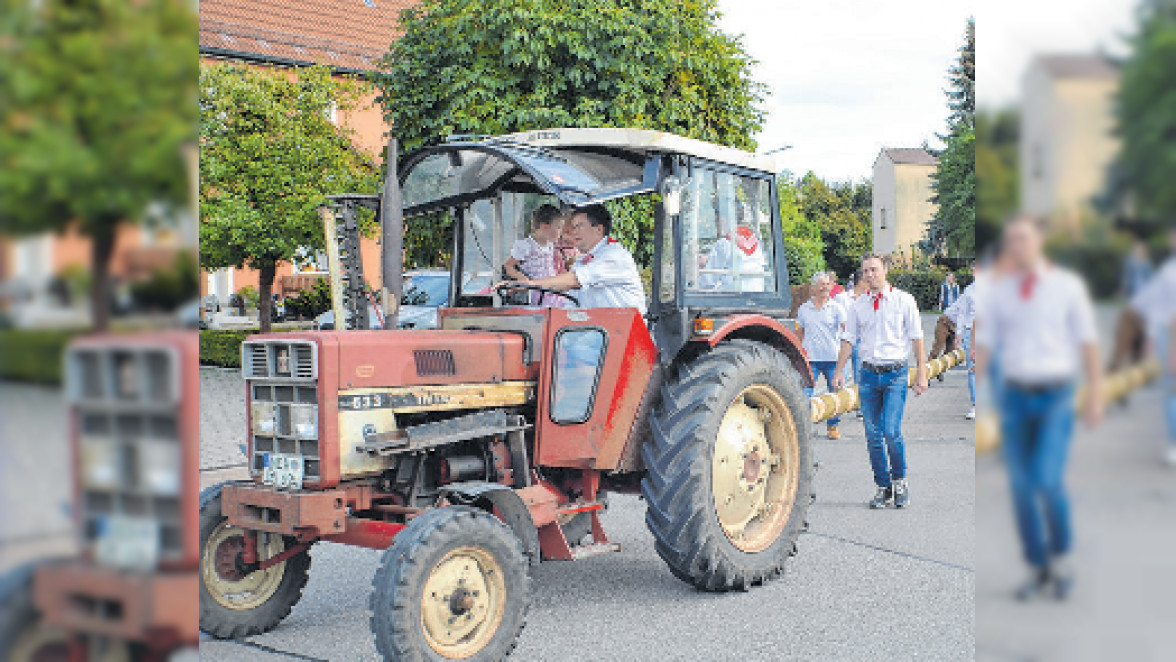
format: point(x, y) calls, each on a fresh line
point(833, 433)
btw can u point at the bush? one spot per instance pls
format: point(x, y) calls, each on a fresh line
point(311, 303)
point(250, 296)
point(33, 355)
point(222, 348)
point(924, 284)
point(169, 288)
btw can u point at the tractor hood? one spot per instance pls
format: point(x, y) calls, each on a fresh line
point(380, 359)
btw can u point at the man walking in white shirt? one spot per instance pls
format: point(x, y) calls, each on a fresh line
point(819, 324)
point(1156, 304)
point(886, 322)
point(1038, 321)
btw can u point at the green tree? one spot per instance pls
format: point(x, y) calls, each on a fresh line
point(842, 213)
point(996, 172)
point(1147, 116)
point(802, 235)
point(502, 66)
point(269, 156)
point(95, 116)
point(953, 229)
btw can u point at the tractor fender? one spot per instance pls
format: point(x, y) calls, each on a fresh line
point(769, 331)
point(514, 513)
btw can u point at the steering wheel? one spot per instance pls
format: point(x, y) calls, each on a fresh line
point(507, 287)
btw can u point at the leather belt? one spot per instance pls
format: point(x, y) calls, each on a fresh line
point(882, 368)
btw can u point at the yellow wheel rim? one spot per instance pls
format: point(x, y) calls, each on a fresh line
point(462, 603)
point(48, 643)
point(227, 585)
point(755, 468)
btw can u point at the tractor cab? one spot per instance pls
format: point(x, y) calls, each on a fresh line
point(717, 249)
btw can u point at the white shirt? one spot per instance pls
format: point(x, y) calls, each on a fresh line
point(746, 260)
point(845, 298)
point(1037, 334)
point(1156, 301)
point(962, 311)
point(608, 278)
point(885, 334)
point(822, 329)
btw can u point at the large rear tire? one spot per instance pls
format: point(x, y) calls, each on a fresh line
point(729, 467)
point(234, 603)
point(453, 586)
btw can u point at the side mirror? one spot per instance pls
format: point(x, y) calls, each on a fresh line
point(671, 193)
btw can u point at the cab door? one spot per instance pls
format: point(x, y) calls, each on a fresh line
point(594, 374)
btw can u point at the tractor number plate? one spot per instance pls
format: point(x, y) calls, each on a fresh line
point(283, 471)
point(127, 542)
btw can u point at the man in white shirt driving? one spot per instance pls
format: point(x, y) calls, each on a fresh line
point(605, 275)
point(886, 322)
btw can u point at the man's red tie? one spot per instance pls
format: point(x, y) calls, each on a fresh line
point(877, 298)
point(1027, 284)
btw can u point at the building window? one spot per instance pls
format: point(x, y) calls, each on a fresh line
point(882, 218)
point(1038, 161)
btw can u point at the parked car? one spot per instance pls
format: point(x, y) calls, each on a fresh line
point(424, 292)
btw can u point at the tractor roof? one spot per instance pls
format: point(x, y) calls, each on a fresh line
point(645, 140)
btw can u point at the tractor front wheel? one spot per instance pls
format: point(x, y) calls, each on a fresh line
point(453, 586)
point(729, 467)
point(234, 601)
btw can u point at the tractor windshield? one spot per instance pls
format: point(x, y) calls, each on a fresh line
point(451, 175)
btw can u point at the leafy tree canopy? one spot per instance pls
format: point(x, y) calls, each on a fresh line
point(1147, 115)
point(953, 229)
point(501, 66)
point(270, 154)
point(842, 213)
point(96, 110)
point(996, 172)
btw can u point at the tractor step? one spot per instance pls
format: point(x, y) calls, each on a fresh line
point(586, 551)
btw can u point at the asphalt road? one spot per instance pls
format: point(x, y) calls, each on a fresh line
point(866, 585)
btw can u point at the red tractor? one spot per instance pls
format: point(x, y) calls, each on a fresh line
point(134, 412)
point(470, 451)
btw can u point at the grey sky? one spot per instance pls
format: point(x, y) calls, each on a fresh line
point(849, 77)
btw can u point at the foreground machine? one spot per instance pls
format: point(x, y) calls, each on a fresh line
point(471, 451)
point(133, 411)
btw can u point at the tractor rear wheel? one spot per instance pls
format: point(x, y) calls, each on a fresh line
point(234, 602)
point(729, 467)
point(453, 586)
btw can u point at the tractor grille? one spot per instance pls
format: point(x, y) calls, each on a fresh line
point(292, 426)
point(434, 362)
point(126, 401)
point(283, 390)
point(296, 360)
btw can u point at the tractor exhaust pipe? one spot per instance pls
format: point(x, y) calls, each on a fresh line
point(392, 240)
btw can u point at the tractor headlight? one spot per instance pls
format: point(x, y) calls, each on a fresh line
point(102, 463)
point(159, 468)
point(264, 419)
point(304, 421)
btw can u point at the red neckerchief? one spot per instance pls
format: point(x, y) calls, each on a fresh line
point(1028, 282)
point(588, 256)
point(878, 296)
point(745, 239)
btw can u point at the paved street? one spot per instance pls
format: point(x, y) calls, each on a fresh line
point(866, 585)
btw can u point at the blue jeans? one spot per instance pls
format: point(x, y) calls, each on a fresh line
point(1163, 343)
point(1036, 426)
point(828, 369)
point(853, 367)
point(970, 361)
point(883, 397)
